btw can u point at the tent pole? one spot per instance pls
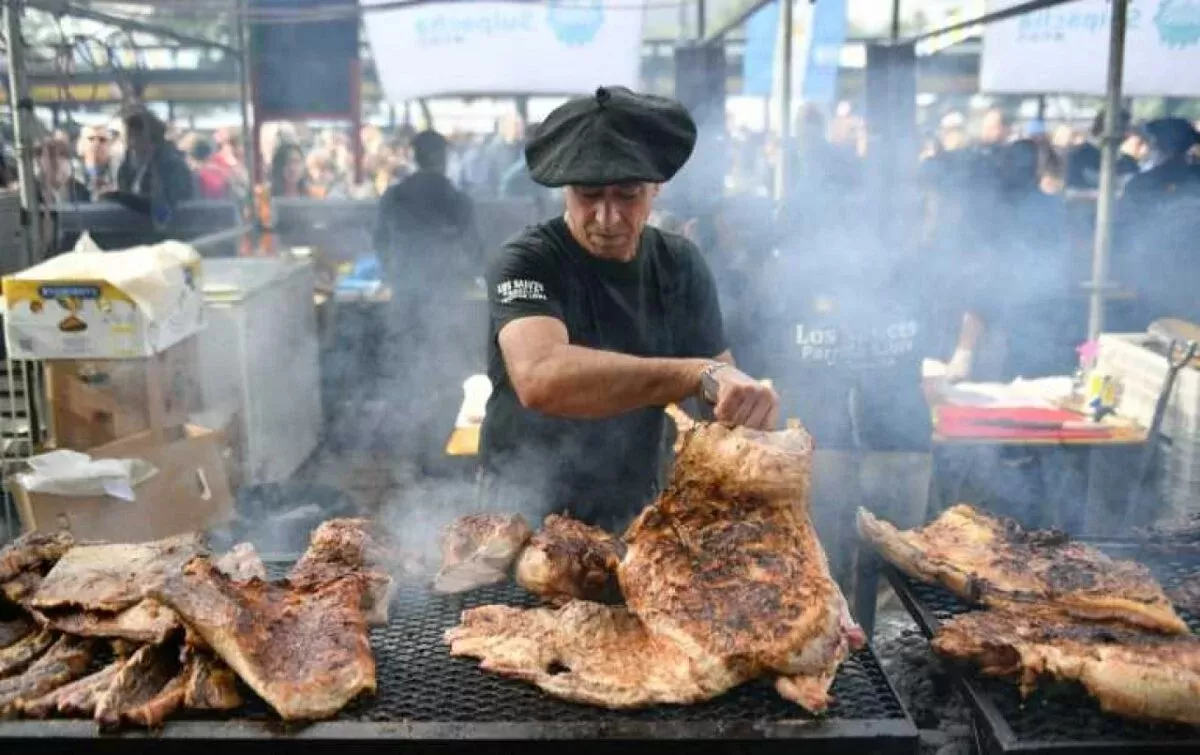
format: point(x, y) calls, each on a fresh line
point(24, 124)
point(1106, 204)
point(782, 176)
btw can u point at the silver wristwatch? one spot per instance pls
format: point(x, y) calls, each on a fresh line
point(708, 381)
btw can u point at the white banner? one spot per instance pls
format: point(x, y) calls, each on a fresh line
point(1065, 49)
point(552, 47)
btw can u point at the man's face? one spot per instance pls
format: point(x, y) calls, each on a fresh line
point(608, 220)
point(994, 130)
point(95, 147)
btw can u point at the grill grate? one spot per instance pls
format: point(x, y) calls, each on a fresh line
point(419, 681)
point(424, 695)
point(1056, 714)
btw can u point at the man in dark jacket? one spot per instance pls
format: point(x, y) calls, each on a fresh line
point(1083, 161)
point(154, 177)
point(430, 252)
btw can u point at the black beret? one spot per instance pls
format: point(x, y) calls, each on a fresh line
point(1174, 136)
point(617, 136)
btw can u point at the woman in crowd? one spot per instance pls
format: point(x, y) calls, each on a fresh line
point(289, 177)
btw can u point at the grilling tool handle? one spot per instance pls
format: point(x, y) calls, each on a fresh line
point(1187, 351)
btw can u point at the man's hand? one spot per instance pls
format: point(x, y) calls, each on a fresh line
point(742, 400)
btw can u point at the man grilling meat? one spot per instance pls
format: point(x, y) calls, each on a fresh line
point(599, 320)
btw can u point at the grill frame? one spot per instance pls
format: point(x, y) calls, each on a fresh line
point(1007, 727)
point(363, 726)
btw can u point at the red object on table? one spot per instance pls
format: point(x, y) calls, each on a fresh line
point(1004, 424)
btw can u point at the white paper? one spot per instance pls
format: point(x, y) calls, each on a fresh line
point(70, 473)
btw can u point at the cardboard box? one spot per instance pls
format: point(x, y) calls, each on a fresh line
point(190, 493)
point(97, 401)
point(104, 305)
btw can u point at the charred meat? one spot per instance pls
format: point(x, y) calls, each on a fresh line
point(36, 551)
point(147, 622)
point(584, 652)
point(1132, 672)
point(302, 649)
point(725, 581)
point(997, 563)
point(344, 547)
point(568, 559)
point(242, 563)
point(209, 684)
point(15, 657)
point(135, 695)
point(67, 660)
point(21, 588)
point(16, 629)
point(77, 699)
point(478, 549)
point(113, 577)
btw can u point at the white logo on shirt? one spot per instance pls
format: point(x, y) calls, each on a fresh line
point(520, 290)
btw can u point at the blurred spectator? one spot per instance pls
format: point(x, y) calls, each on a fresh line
point(952, 131)
point(1083, 161)
point(153, 177)
point(224, 175)
point(322, 175)
point(197, 153)
point(289, 178)
point(55, 180)
point(99, 169)
point(996, 128)
point(1165, 169)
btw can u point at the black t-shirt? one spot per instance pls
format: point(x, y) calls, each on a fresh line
point(847, 355)
point(662, 304)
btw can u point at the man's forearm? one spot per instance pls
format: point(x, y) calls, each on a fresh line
point(582, 383)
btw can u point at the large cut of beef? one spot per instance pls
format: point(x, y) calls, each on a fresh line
point(302, 648)
point(725, 581)
point(1133, 672)
point(344, 547)
point(568, 559)
point(15, 657)
point(997, 563)
point(478, 549)
point(147, 621)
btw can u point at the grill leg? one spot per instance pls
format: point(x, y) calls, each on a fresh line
point(866, 591)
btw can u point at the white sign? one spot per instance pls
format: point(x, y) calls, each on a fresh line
point(1065, 49)
point(551, 47)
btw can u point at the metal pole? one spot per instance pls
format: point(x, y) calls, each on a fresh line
point(1108, 163)
point(23, 125)
point(895, 20)
point(701, 13)
point(249, 135)
point(785, 124)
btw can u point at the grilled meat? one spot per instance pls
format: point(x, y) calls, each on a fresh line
point(1132, 672)
point(727, 565)
point(67, 660)
point(608, 656)
point(998, 563)
point(113, 577)
point(36, 551)
point(135, 695)
point(147, 622)
point(478, 550)
point(77, 699)
point(725, 581)
point(242, 563)
point(568, 559)
point(342, 547)
point(15, 657)
point(209, 684)
point(21, 588)
point(15, 630)
point(303, 649)
point(1186, 594)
